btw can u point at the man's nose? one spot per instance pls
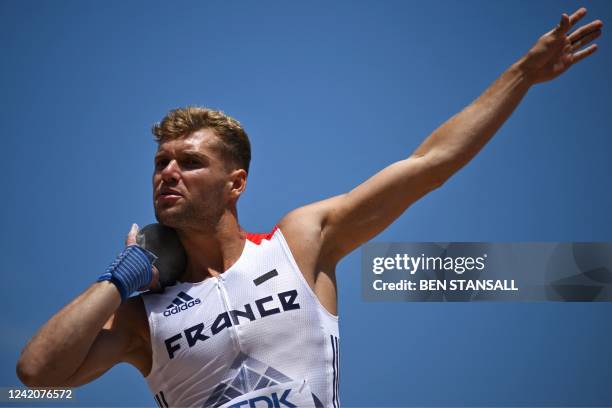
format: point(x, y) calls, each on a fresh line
point(171, 172)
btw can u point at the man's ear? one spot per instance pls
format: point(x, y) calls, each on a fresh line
point(238, 180)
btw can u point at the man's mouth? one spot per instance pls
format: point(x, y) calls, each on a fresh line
point(169, 192)
point(168, 195)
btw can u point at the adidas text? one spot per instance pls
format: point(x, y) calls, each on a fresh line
point(179, 309)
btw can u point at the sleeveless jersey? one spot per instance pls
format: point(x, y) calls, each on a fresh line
point(256, 336)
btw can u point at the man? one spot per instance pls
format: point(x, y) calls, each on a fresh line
point(252, 321)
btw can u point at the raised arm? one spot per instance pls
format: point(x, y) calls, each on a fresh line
point(349, 220)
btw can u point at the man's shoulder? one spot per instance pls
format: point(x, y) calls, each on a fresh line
point(304, 228)
point(310, 217)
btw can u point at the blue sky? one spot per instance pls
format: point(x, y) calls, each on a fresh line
point(330, 93)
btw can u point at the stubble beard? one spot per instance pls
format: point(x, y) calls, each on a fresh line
point(203, 217)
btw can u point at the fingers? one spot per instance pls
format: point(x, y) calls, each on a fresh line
point(578, 14)
point(581, 37)
point(564, 24)
point(585, 30)
point(155, 284)
point(568, 22)
point(579, 56)
point(576, 45)
point(131, 236)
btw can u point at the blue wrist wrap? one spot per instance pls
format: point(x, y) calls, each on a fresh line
point(131, 270)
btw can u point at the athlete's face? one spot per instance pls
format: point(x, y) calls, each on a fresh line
point(192, 186)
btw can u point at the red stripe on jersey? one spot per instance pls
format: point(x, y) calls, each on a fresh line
point(256, 238)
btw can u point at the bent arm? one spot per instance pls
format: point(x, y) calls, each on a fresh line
point(61, 346)
point(95, 331)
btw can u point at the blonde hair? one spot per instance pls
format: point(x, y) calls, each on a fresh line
point(181, 122)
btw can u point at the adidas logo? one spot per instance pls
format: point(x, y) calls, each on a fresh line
point(181, 302)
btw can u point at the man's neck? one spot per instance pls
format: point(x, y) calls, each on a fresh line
point(212, 251)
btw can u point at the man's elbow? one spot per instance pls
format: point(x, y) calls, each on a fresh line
point(439, 167)
point(34, 375)
point(28, 374)
point(437, 183)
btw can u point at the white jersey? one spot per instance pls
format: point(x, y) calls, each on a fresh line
point(256, 336)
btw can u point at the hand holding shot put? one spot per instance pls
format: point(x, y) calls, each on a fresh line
point(247, 317)
point(91, 334)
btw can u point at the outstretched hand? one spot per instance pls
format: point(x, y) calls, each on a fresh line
point(557, 50)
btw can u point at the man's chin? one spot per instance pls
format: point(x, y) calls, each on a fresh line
point(169, 218)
